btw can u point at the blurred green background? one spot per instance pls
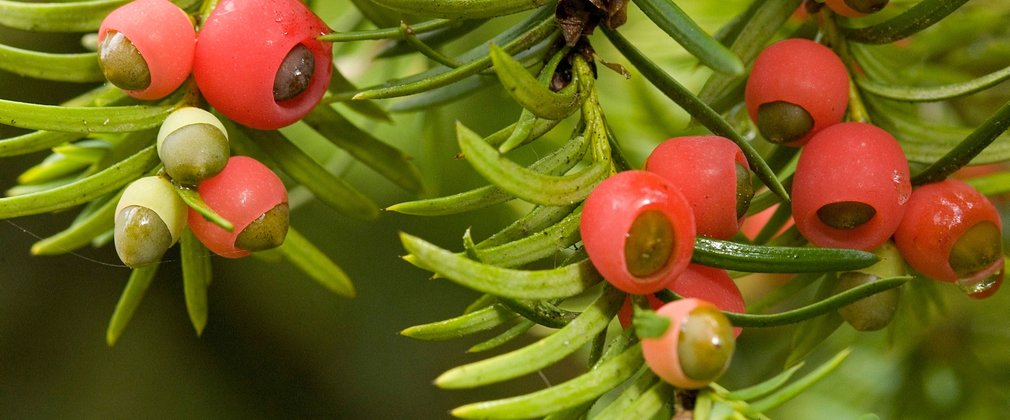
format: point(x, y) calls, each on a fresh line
point(279, 345)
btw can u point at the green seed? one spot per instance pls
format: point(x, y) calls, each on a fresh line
point(846, 214)
point(141, 236)
point(783, 122)
point(867, 6)
point(649, 243)
point(294, 74)
point(744, 190)
point(705, 344)
point(976, 249)
point(266, 232)
point(194, 153)
point(122, 64)
point(872, 312)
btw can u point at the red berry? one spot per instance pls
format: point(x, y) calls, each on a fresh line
point(696, 348)
point(146, 48)
point(247, 48)
point(851, 187)
point(698, 281)
point(638, 230)
point(953, 233)
point(856, 8)
point(251, 197)
point(796, 88)
point(713, 175)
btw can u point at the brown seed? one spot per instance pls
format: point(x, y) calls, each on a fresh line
point(194, 153)
point(294, 74)
point(867, 6)
point(872, 312)
point(744, 190)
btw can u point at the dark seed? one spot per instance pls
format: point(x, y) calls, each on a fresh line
point(122, 64)
point(649, 243)
point(294, 74)
point(783, 122)
point(266, 232)
point(846, 214)
point(867, 6)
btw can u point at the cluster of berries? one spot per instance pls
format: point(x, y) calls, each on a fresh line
point(193, 146)
point(851, 189)
point(257, 62)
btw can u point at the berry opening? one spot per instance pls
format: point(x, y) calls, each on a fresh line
point(649, 244)
point(294, 74)
point(846, 215)
point(265, 232)
point(978, 248)
point(866, 6)
point(782, 122)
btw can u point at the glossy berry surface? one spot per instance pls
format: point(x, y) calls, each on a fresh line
point(952, 233)
point(696, 348)
point(251, 197)
point(856, 8)
point(150, 216)
point(851, 187)
point(259, 63)
point(713, 285)
point(638, 230)
point(146, 48)
point(193, 145)
point(712, 173)
point(797, 87)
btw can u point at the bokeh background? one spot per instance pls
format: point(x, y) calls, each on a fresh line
point(278, 345)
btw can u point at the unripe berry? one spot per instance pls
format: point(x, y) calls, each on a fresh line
point(193, 145)
point(150, 216)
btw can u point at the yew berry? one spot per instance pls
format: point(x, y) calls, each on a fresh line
point(146, 48)
point(193, 145)
point(713, 285)
point(851, 187)
point(856, 8)
point(695, 349)
point(638, 230)
point(259, 62)
point(953, 233)
point(713, 175)
point(876, 311)
point(796, 88)
point(150, 216)
point(251, 197)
